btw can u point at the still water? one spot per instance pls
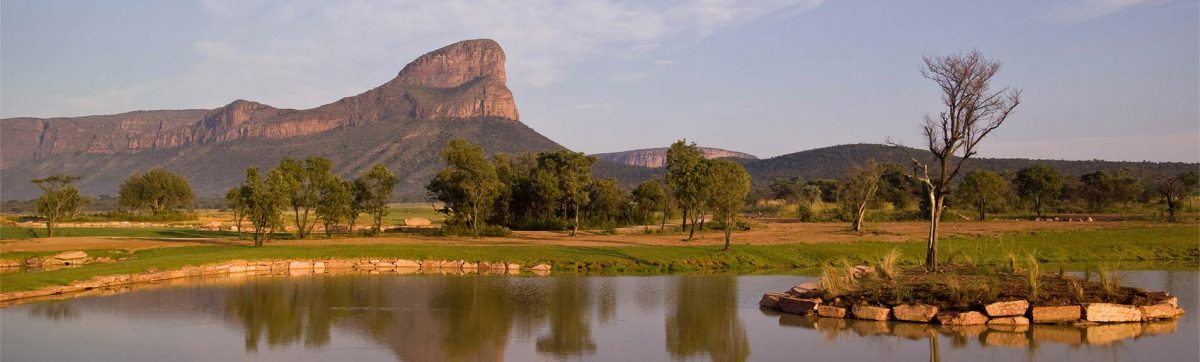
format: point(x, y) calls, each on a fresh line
point(492, 318)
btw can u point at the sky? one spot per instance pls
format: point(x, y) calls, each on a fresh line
point(1101, 79)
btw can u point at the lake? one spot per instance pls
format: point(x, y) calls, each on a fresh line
point(528, 318)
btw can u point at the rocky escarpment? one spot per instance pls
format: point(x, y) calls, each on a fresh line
point(657, 157)
point(462, 80)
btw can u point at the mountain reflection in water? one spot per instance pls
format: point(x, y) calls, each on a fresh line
point(490, 318)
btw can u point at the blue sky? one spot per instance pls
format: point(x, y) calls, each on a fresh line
point(1102, 79)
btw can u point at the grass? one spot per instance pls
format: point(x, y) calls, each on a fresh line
point(1173, 244)
point(12, 232)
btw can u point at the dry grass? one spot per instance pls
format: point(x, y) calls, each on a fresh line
point(1033, 278)
point(887, 264)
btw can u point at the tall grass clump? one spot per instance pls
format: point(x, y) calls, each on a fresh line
point(1110, 279)
point(887, 264)
point(837, 280)
point(1034, 275)
point(1077, 290)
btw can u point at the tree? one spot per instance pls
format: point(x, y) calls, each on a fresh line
point(972, 111)
point(567, 175)
point(606, 201)
point(263, 201)
point(685, 178)
point(375, 189)
point(335, 204)
point(648, 197)
point(984, 190)
point(468, 185)
point(301, 186)
point(235, 205)
point(60, 199)
point(859, 190)
point(730, 184)
point(791, 190)
point(358, 202)
point(1038, 183)
point(1175, 188)
point(156, 190)
point(1101, 189)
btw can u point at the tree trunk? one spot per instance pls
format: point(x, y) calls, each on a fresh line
point(663, 226)
point(575, 227)
point(935, 215)
point(1037, 205)
point(982, 210)
point(692, 230)
point(646, 219)
point(49, 229)
point(862, 213)
point(728, 232)
point(701, 215)
point(684, 226)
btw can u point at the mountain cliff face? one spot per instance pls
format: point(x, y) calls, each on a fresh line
point(657, 157)
point(462, 80)
point(456, 91)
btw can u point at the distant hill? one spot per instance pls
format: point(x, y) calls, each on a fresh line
point(456, 91)
point(835, 161)
point(657, 157)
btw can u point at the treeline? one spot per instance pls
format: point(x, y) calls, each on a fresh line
point(555, 190)
point(1039, 190)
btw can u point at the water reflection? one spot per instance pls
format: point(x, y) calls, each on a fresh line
point(491, 318)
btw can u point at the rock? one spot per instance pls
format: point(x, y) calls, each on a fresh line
point(860, 271)
point(298, 265)
point(867, 312)
point(417, 221)
point(1009, 321)
point(541, 267)
point(1159, 311)
point(802, 306)
point(1009, 308)
point(831, 311)
point(771, 299)
point(1108, 312)
point(10, 263)
point(961, 318)
point(408, 264)
point(512, 267)
point(70, 255)
point(1056, 314)
point(803, 288)
point(914, 312)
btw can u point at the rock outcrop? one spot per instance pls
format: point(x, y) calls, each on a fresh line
point(462, 80)
point(657, 157)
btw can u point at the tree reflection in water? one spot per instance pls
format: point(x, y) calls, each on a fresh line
point(290, 310)
point(569, 335)
point(703, 319)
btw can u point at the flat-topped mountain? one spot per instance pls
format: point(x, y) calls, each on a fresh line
point(657, 157)
point(456, 91)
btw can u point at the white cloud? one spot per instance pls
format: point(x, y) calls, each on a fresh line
point(1079, 11)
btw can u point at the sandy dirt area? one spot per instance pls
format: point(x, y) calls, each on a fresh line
point(766, 231)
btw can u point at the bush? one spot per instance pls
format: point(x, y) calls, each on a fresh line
point(495, 230)
point(460, 229)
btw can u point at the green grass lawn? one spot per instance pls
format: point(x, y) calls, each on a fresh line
point(1171, 245)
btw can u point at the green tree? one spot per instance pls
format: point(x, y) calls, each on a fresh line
point(567, 175)
point(335, 203)
point(264, 201)
point(972, 111)
point(858, 190)
point(375, 189)
point(649, 197)
point(1175, 188)
point(302, 182)
point(156, 190)
point(984, 190)
point(60, 200)
point(236, 205)
point(730, 184)
point(1038, 184)
point(1101, 189)
point(606, 201)
point(685, 176)
point(467, 186)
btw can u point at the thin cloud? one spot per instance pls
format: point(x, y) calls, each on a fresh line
point(1083, 10)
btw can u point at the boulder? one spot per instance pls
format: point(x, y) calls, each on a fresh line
point(867, 312)
point(1159, 311)
point(771, 299)
point(860, 271)
point(541, 267)
point(1056, 314)
point(70, 255)
point(790, 304)
point(831, 311)
point(417, 221)
point(1108, 312)
point(1009, 321)
point(408, 264)
point(803, 288)
point(10, 263)
point(914, 312)
point(961, 318)
point(512, 267)
point(1009, 308)
point(299, 265)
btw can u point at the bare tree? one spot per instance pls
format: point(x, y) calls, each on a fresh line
point(858, 190)
point(973, 110)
